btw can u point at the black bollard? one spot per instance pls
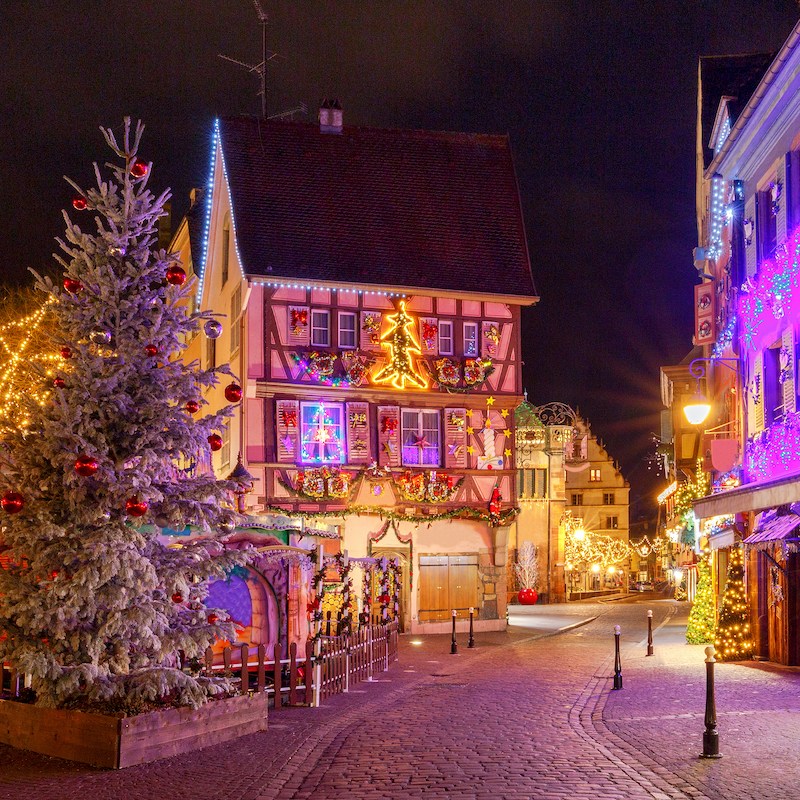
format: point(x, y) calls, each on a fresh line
point(471, 637)
point(649, 633)
point(617, 662)
point(710, 735)
point(453, 643)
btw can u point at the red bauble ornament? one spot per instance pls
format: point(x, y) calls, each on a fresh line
point(85, 465)
point(66, 352)
point(177, 597)
point(151, 350)
point(212, 619)
point(12, 502)
point(215, 442)
point(139, 168)
point(72, 286)
point(233, 393)
point(176, 275)
point(192, 406)
point(59, 383)
point(135, 507)
point(79, 203)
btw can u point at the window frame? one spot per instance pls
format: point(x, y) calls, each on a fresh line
point(236, 312)
point(595, 475)
point(226, 251)
point(339, 407)
point(475, 351)
point(354, 317)
point(421, 430)
point(448, 323)
point(577, 499)
point(612, 522)
point(607, 501)
point(313, 328)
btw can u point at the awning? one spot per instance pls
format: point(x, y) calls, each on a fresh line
point(774, 526)
point(750, 497)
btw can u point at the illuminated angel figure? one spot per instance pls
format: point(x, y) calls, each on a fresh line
point(402, 344)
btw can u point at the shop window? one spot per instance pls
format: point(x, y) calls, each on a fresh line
point(447, 583)
point(420, 437)
point(320, 328)
point(322, 433)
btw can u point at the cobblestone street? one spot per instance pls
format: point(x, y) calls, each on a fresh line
point(525, 714)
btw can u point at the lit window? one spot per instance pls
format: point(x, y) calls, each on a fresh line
point(445, 337)
point(594, 474)
point(608, 498)
point(322, 433)
point(347, 329)
point(577, 499)
point(420, 438)
point(321, 328)
point(236, 310)
point(226, 249)
point(612, 523)
point(470, 338)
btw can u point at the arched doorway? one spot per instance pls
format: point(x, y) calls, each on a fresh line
point(403, 555)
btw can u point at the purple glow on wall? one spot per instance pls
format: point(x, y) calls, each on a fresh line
point(233, 595)
point(775, 451)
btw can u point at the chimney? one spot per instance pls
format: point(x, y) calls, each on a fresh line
point(195, 195)
point(330, 116)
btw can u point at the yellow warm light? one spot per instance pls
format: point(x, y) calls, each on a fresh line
point(401, 344)
point(579, 535)
point(595, 568)
point(697, 410)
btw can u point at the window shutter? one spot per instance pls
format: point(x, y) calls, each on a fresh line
point(288, 429)
point(429, 335)
point(750, 235)
point(787, 368)
point(455, 438)
point(756, 398)
point(299, 320)
point(782, 218)
point(389, 436)
point(358, 433)
point(371, 330)
point(791, 191)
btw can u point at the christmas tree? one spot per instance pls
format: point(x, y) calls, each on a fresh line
point(401, 345)
point(733, 640)
point(95, 607)
point(702, 618)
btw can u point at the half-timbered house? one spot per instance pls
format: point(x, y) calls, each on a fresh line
point(372, 283)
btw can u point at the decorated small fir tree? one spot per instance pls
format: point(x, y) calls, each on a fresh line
point(733, 639)
point(702, 618)
point(95, 607)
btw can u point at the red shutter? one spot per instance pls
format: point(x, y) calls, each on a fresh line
point(389, 436)
point(358, 433)
point(299, 322)
point(704, 330)
point(490, 339)
point(371, 331)
point(455, 438)
point(429, 335)
point(287, 426)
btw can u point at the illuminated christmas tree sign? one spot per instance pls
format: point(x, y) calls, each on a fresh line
point(401, 344)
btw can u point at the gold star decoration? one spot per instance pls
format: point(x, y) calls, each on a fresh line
point(507, 453)
point(504, 412)
point(470, 449)
point(469, 412)
point(470, 430)
point(490, 401)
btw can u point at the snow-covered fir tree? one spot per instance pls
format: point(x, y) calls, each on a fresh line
point(95, 607)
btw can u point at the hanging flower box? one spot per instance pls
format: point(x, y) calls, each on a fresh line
point(116, 741)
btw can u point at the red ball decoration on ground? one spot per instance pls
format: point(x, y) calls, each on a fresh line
point(233, 393)
point(135, 507)
point(151, 350)
point(85, 465)
point(177, 597)
point(66, 352)
point(215, 442)
point(12, 502)
point(79, 203)
point(139, 168)
point(59, 383)
point(212, 619)
point(72, 286)
point(192, 406)
point(176, 275)
point(528, 597)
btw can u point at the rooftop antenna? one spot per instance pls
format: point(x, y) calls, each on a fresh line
point(259, 69)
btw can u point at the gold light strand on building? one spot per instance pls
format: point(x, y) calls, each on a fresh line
point(585, 549)
point(22, 367)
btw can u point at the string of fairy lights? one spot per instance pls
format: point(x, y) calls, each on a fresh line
point(23, 367)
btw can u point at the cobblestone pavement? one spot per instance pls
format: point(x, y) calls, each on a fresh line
point(520, 716)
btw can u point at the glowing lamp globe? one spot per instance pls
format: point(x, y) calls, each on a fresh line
point(12, 502)
point(579, 535)
point(233, 393)
point(595, 568)
point(697, 409)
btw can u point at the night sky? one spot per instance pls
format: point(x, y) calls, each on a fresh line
point(598, 98)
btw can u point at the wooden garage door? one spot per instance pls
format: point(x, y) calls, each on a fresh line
point(447, 583)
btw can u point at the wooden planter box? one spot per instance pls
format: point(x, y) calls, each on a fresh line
point(118, 742)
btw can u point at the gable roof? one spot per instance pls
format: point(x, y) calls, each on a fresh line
point(394, 208)
point(735, 77)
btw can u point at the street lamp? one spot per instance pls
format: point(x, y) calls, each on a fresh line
point(698, 408)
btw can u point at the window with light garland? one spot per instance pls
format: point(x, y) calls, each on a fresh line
point(420, 437)
point(322, 433)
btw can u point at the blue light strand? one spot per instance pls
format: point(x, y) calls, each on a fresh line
point(207, 226)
